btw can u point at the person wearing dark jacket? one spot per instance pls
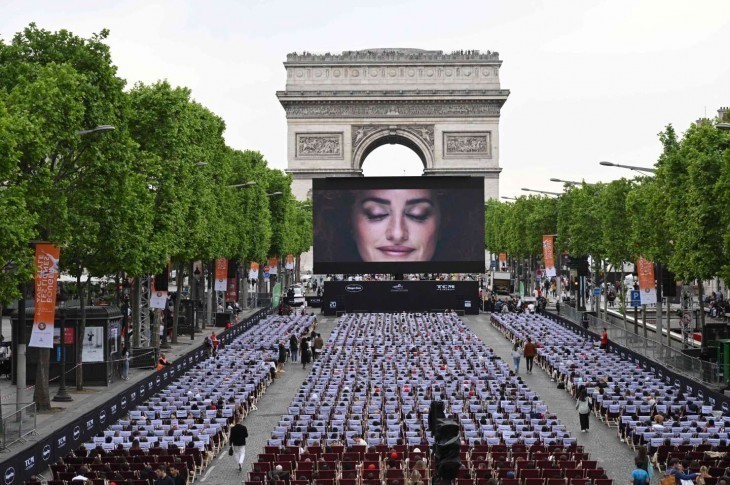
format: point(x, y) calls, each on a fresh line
point(282, 357)
point(306, 356)
point(238, 436)
point(677, 469)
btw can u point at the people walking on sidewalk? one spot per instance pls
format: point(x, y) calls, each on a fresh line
point(516, 357)
point(584, 410)
point(293, 347)
point(529, 351)
point(238, 436)
point(604, 339)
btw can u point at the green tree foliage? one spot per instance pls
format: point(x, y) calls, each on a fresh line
point(689, 177)
point(612, 214)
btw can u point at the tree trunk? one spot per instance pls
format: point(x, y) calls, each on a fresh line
point(605, 291)
point(701, 295)
point(244, 290)
point(176, 307)
point(136, 290)
point(80, 331)
point(41, 394)
point(622, 294)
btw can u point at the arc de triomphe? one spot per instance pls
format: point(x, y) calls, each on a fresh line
point(445, 107)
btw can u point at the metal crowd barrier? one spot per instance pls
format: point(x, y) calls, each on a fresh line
point(18, 423)
point(694, 368)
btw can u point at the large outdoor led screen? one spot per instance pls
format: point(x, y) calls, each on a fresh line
point(398, 225)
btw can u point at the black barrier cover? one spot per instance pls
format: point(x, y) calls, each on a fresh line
point(682, 383)
point(20, 467)
point(314, 301)
point(396, 296)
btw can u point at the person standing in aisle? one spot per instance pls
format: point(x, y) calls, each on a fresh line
point(516, 357)
point(306, 355)
point(584, 410)
point(530, 351)
point(293, 347)
point(238, 436)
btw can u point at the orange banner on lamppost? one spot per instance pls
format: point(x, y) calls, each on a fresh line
point(289, 262)
point(502, 261)
point(46, 279)
point(645, 271)
point(221, 274)
point(253, 272)
point(273, 265)
point(548, 254)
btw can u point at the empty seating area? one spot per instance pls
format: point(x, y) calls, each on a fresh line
point(361, 416)
point(186, 424)
point(644, 409)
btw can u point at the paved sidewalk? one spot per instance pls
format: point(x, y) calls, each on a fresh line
point(602, 442)
point(85, 401)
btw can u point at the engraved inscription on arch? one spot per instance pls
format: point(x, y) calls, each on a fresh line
point(467, 144)
point(319, 145)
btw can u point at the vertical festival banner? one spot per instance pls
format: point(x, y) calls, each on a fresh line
point(289, 262)
point(46, 279)
point(232, 290)
point(158, 298)
point(548, 254)
point(645, 270)
point(503, 261)
point(273, 265)
point(253, 272)
point(221, 274)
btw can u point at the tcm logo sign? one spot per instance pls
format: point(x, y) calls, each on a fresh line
point(133, 396)
point(114, 409)
point(445, 287)
point(353, 288)
point(61, 442)
point(29, 463)
point(90, 424)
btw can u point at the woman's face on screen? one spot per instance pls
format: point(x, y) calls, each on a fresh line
point(396, 225)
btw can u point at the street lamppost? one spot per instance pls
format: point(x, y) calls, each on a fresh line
point(569, 182)
point(62, 395)
point(641, 170)
point(541, 191)
point(96, 129)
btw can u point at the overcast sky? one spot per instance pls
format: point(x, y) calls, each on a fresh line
point(589, 80)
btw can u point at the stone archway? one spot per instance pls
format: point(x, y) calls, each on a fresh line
point(366, 138)
point(445, 107)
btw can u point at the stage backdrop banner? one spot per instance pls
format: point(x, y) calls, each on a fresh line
point(221, 274)
point(645, 270)
point(46, 278)
point(391, 296)
point(548, 253)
